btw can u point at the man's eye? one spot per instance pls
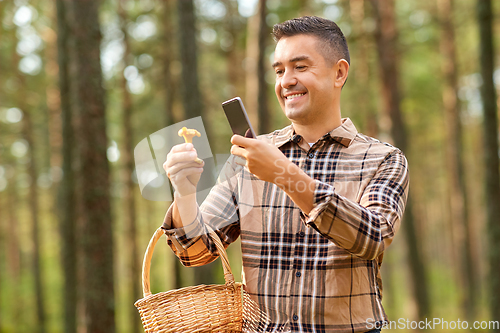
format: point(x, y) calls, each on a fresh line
point(301, 67)
point(279, 72)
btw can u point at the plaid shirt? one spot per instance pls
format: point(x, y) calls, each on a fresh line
point(318, 272)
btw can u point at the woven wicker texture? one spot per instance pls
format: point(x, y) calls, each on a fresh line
point(203, 308)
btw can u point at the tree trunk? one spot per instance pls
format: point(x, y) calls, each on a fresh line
point(27, 134)
point(256, 86)
point(265, 119)
point(251, 100)
point(233, 62)
point(168, 48)
point(190, 91)
point(191, 96)
point(362, 72)
point(386, 36)
point(96, 235)
point(490, 130)
point(2, 227)
point(128, 169)
point(15, 261)
point(459, 213)
point(13, 250)
point(170, 93)
point(35, 220)
point(67, 200)
point(2, 275)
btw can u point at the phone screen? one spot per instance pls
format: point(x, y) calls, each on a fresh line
point(238, 118)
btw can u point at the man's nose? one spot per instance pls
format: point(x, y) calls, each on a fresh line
point(288, 79)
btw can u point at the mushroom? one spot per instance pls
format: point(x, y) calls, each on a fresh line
point(188, 135)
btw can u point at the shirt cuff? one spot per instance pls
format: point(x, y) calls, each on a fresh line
point(323, 194)
point(183, 237)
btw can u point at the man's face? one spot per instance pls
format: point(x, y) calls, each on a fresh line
point(304, 80)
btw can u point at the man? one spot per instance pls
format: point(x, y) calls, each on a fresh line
point(315, 204)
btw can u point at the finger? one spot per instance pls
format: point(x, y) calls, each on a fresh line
point(241, 141)
point(179, 157)
point(248, 134)
point(238, 151)
point(170, 159)
point(183, 165)
point(185, 173)
point(182, 147)
point(173, 170)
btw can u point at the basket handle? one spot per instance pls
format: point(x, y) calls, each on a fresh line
point(146, 264)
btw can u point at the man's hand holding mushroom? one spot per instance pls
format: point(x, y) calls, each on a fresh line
point(183, 167)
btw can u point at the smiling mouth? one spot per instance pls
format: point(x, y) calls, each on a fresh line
point(290, 97)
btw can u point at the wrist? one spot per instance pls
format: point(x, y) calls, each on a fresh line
point(296, 183)
point(184, 198)
point(184, 209)
point(298, 186)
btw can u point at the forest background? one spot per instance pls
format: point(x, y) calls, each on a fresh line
point(83, 82)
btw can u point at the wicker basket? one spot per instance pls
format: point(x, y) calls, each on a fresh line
point(203, 308)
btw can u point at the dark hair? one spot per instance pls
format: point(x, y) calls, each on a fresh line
point(335, 45)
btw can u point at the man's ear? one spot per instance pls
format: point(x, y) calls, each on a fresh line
point(342, 71)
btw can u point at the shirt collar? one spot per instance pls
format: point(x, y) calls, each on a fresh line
point(344, 134)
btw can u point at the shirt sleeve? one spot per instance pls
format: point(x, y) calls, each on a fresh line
point(219, 212)
point(366, 228)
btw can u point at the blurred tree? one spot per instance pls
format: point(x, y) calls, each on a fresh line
point(170, 89)
point(96, 234)
point(251, 79)
point(232, 27)
point(14, 268)
point(16, 313)
point(129, 205)
point(2, 269)
point(256, 100)
point(362, 68)
point(3, 258)
point(265, 119)
point(491, 160)
point(305, 7)
point(459, 213)
point(67, 200)
point(27, 133)
point(10, 250)
point(35, 217)
point(386, 37)
point(191, 96)
point(168, 57)
point(14, 251)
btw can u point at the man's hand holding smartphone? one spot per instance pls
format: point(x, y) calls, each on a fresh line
point(266, 161)
point(260, 156)
point(238, 118)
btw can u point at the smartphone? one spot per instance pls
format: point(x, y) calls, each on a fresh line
point(238, 118)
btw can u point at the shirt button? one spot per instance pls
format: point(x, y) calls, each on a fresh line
point(302, 234)
point(295, 317)
point(311, 155)
point(298, 274)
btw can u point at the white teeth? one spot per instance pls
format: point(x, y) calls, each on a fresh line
point(293, 96)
